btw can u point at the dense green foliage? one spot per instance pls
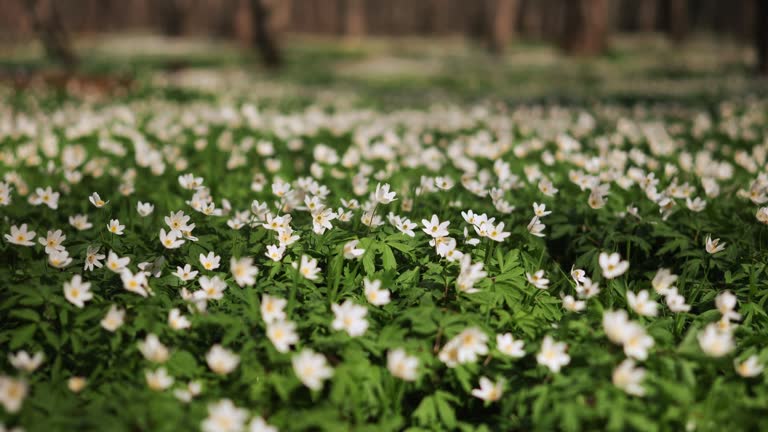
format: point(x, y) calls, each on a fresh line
point(626, 179)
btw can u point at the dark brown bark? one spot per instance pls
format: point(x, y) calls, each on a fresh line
point(647, 13)
point(263, 39)
point(354, 18)
point(678, 20)
point(47, 23)
point(761, 36)
point(501, 16)
point(171, 15)
point(585, 29)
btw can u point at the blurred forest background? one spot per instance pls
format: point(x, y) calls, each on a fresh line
point(292, 36)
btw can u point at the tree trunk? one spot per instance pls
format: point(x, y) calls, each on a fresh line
point(646, 15)
point(761, 36)
point(171, 14)
point(354, 18)
point(263, 40)
point(678, 20)
point(49, 27)
point(586, 27)
point(501, 16)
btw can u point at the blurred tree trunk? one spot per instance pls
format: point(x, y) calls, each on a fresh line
point(646, 15)
point(678, 20)
point(171, 14)
point(224, 25)
point(354, 18)
point(501, 16)
point(262, 37)
point(585, 30)
point(46, 22)
point(761, 36)
point(531, 21)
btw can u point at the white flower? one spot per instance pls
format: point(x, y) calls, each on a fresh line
point(697, 204)
point(573, 305)
point(311, 368)
point(404, 225)
point(321, 221)
point(750, 367)
point(23, 361)
point(59, 259)
point(80, 222)
point(258, 424)
point(488, 391)
point(496, 232)
point(158, 380)
point(135, 283)
point(243, 271)
point(578, 275)
point(12, 393)
point(508, 346)
point(444, 183)
point(224, 416)
point(77, 291)
point(383, 195)
point(76, 384)
point(213, 288)
point(637, 342)
point(546, 187)
point(308, 267)
point(540, 210)
point(192, 390)
point(714, 246)
point(350, 318)
point(588, 289)
point(53, 241)
point(714, 342)
point(144, 209)
point(45, 196)
point(282, 334)
point(464, 347)
point(401, 365)
point(177, 321)
point(178, 222)
point(726, 303)
point(351, 251)
point(663, 281)
point(20, 236)
point(114, 319)
point(210, 261)
point(628, 378)
point(275, 252)
point(553, 355)
point(114, 227)
point(171, 240)
point(612, 265)
point(115, 263)
point(93, 258)
point(272, 308)
point(469, 275)
point(676, 302)
point(615, 325)
point(221, 360)
point(535, 227)
point(373, 292)
point(538, 279)
point(641, 303)
point(434, 228)
point(185, 273)
point(189, 181)
point(153, 350)
point(96, 200)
